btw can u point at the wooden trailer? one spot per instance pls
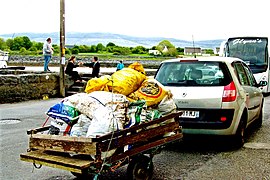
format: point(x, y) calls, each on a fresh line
point(88, 157)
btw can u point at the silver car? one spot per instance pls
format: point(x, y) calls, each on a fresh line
point(222, 104)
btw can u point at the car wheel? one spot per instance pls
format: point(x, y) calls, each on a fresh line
point(239, 138)
point(258, 122)
point(140, 168)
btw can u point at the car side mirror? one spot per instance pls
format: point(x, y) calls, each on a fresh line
point(262, 83)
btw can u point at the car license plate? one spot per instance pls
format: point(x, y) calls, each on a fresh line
point(190, 114)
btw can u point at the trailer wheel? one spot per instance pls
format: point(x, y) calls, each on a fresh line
point(140, 168)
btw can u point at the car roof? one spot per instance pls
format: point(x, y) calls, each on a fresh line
point(210, 59)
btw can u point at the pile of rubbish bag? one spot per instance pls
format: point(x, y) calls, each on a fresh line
point(110, 103)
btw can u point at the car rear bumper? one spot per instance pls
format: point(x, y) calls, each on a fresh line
point(210, 121)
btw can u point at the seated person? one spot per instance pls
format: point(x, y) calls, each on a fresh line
point(69, 69)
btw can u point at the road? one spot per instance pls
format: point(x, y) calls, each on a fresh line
point(197, 158)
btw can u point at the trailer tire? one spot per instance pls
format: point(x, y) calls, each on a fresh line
point(140, 168)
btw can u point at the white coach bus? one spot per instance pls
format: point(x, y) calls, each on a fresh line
point(254, 51)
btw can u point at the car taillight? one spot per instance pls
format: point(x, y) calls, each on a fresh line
point(229, 93)
point(188, 60)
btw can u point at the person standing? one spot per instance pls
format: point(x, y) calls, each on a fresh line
point(69, 69)
point(47, 52)
point(95, 65)
point(120, 65)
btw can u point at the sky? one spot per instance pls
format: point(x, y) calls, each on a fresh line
point(180, 19)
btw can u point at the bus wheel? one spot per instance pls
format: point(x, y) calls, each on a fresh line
point(140, 168)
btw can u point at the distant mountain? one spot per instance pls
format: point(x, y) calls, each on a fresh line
point(77, 38)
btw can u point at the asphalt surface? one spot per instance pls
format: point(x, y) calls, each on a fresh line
point(193, 158)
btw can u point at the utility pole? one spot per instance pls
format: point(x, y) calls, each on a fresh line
point(193, 47)
point(62, 48)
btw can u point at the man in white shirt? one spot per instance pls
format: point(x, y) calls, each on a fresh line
point(47, 52)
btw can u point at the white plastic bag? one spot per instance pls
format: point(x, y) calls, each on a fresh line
point(103, 122)
point(81, 127)
point(167, 105)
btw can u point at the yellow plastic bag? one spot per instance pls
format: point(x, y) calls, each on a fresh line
point(151, 91)
point(137, 66)
point(97, 84)
point(126, 81)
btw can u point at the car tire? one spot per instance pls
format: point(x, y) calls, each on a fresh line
point(258, 122)
point(240, 136)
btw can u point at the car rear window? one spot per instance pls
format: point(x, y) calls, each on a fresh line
point(193, 73)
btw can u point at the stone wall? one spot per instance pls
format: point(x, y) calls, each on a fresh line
point(21, 86)
point(21, 60)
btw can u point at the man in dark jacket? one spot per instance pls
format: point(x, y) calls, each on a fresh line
point(69, 69)
point(95, 65)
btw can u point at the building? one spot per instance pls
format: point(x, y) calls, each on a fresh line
point(154, 52)
point(192, 51)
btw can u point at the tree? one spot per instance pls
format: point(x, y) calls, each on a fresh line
point(19, 42)
point(180, 50)
point(33, 49)
point(9, 43)
point(153, 48)
point(209, 51)
point(56, 48)
point(117, 50)
point(100, 47)
point(27, 42)
point(3, 44)
point(84, 48)
point(75, 51)
point(109, 49)
point(110, 44)
point(37, 45)
point(67, 51)
point(23, 51)
point(166, 48)
point(139, 50)
point(93, 48)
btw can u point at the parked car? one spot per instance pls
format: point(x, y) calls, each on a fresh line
point(223, 104)
point(209, 70)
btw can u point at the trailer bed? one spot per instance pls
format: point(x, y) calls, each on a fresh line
point(81, 154)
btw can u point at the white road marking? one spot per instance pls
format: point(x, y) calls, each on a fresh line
point(257, 145)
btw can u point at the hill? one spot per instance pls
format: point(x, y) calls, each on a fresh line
point(77, 38)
